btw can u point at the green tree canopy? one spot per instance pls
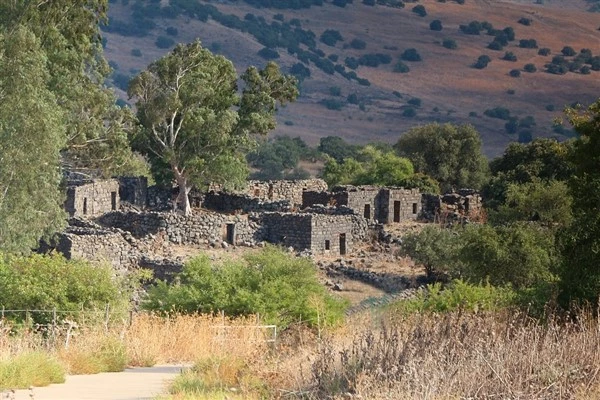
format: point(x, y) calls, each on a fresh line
point(69, 38)
point(542, 160)
point(580, 272)
point(371, 167)
point(195, 127)
point(451, 154)
point(32, 133)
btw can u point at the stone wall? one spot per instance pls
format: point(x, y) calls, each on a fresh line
point(98, 245)
point(198, 228)
point(465, 205)
point(278, 190)
point(92, 198)
point(399, 204)
point(237, 203)
point(363, 200)
point(325, 233)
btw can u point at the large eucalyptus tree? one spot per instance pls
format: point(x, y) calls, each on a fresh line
point(196, 126)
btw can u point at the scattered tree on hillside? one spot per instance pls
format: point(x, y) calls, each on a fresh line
point(451, 154)
point(191, 131)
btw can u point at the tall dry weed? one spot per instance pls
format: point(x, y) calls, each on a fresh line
point(464, 356)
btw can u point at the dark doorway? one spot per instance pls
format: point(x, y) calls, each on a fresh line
point(85, 210)
point(342, 244)
point(113, 201)
point(230, 233)
point(367, 212)
point(414, 208)
point(270, 191)
point(396, 211)
point(327, 245)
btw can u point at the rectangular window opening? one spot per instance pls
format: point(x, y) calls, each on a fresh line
point(113, 201)
point(85, 208)
point(414, 208)
point(327, 245)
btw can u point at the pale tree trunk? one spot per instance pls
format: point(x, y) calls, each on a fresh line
point(183, 201)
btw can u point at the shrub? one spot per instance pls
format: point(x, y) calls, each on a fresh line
point(482, 62)
point(568, 51)
point(550, 107)
point(495, 45)
point(300, 71)
point(358, 44)
point(436, 25)
point(335, 91)
point(42, 282)
point(279, 286)
point(498, 112)
point(409, 112)
point(525, 21)
point(411, 55)
point(330, 37)
point(515, 73)
point(528, 43)
point(419, 9)
point(30, 369)
point(415, 101)
point(400, 67)
point(458, 295)
point(509, 56)
point(136, 52)
point(434, 248)
point(268, 54)
point(172, 31)
point(525, 136)
point(544, 51)
point(163, 42)
point(351, 62)
point(352, 98)
point(449, 44)
point(530, 68)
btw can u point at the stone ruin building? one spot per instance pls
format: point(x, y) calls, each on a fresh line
point(92, 198)
point(301, 215)
point(385, 205)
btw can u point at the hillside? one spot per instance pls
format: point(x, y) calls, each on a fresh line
point(443, 86)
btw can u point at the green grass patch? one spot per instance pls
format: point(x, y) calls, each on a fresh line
point(30, 369)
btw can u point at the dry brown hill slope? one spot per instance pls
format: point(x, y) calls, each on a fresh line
point(442, 87)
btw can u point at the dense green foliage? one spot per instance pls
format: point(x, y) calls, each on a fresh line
point(191, 131)
point(371, 167)
point(278, 158)
point(280, 287)
point(458, 295)
point(580, 272)
point(521, 255)
point(32, 133)
point(451, 154)
point(51, 282)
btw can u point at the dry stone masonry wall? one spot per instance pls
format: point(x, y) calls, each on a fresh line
point(279, 190)
point(92, 198)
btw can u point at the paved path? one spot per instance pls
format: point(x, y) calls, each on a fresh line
point(131, 384)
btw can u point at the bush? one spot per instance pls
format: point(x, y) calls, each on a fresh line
point(415, 101)
point(515, 73)
point(420, 10)
point(449, 44)
point(528, 43)
point(530, 68)
point(30, 369)
point(358, 44)
point(411, 55)
point(509, 56)
point(525, 21)
point(268, 54)
point(409, 112)
point(332, 104)
point(568, 51)
point(351, 62)
point(400, 67)
point(282, 288)
point(544, 51)
point(163, 42)
point(172, 31)
point(352, 98)
point(495, 45)
point(458, 295)
point(482, 62)
point(436, 25)
point(335, 91)
point(498, 112)
point(136, 52)
point(330, 37)
point(42, 282)
point(434, 248)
